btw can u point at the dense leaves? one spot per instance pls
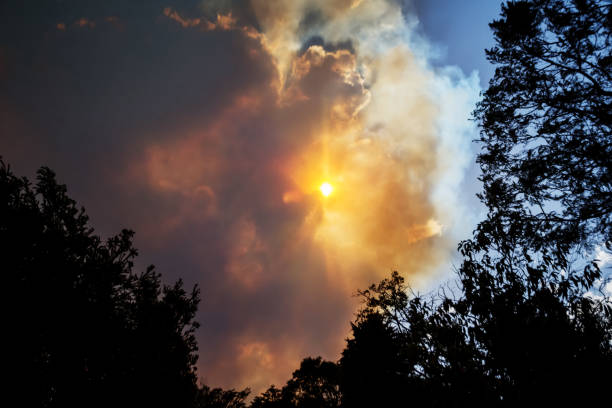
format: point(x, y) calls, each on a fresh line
point(314, 385)
point(418, 346)
point(82, 328)
point(512, 346)
point(218, 398)
point(528, 280)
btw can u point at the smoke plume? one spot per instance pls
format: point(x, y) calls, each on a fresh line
point(208, 128)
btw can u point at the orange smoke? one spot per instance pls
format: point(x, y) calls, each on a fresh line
point(374, 123)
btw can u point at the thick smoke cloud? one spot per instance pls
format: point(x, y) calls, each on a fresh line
point(208, 129)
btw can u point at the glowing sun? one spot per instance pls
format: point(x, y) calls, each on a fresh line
point(326, 189)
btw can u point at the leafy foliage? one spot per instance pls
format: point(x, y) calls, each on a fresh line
point(514, 345)
point(545, 121)
point(219, 398)
point(314, 385)
point(83, 328)
point(546, 176)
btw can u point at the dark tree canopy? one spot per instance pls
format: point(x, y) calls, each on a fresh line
point(314, 385)
point(218, 398)
point(82, 327)
point(546, 120)
point(546, 139)
point(410, 349)
point(514, 345)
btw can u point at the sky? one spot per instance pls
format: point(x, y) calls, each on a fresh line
point(208, 127)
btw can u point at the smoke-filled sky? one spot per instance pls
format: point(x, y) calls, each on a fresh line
point(209, 126)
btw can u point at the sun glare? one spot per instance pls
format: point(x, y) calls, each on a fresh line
point(326, 189)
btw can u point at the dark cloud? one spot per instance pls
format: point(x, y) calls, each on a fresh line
point(318, 40)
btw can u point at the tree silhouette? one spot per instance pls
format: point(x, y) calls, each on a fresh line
point(219, 398)
point(82, 327)
point(512, 346)
point(271, 398)
point(545, 121)
point(314, 385)
point(370, 364)
point(545, 164)
point(414, 349)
